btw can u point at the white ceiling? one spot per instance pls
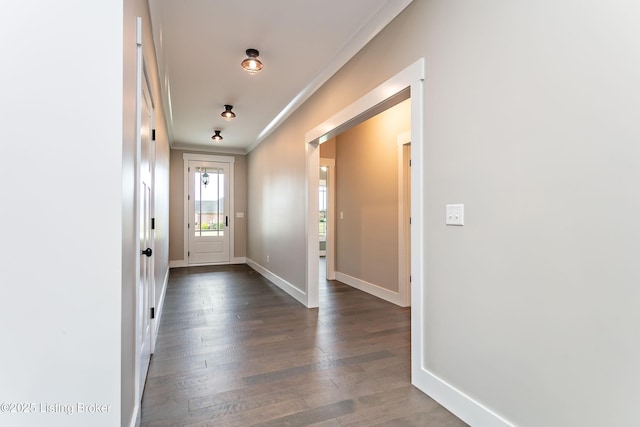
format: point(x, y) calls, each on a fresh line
point(200, 44)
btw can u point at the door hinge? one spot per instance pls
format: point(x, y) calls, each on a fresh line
point(189, 197)
point(189, 169)
point(188, 225)
point(409, 278)
point(153, 223)
point(153, 312)
point(153, 134)
point(409, 220)
point(188, 254)
point(409, 162)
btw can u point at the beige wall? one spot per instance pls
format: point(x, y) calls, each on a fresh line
point(176, 229)
point(530, 121)
point(367, 197)
point(328, 149)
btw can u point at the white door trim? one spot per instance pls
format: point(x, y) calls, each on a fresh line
point(186, 157)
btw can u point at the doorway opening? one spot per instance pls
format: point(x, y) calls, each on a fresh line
point(371, 219)
point(410, 80)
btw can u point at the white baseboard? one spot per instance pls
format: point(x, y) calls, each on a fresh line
point(178, 263)
point(182, 263)
point(464, 407)
point(279, 282)
point(160, 306)
point(370, 288)
point(135, 416)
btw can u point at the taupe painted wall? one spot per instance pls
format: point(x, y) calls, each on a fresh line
point(176, 229)
point(367, 197)
point(531, 121)
point(277, 209)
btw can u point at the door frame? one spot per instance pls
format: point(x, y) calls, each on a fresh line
point(187, 157)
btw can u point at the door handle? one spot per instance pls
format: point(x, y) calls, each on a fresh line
point(147, 252)
point(226, 221)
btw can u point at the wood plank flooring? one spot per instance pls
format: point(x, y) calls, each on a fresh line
point(234, 350)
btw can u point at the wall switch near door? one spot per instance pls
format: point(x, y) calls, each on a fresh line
point(455, 214)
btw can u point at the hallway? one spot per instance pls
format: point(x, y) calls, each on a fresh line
point(234, 350)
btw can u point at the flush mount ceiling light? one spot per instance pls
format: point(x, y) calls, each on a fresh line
point(251, 63)
point(217, 136)
point(227, 114)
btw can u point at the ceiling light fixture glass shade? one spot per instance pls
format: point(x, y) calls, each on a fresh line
point(227, 114)
point(251, 63)
point(217, 136)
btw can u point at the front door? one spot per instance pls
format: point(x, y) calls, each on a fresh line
point(208, 212)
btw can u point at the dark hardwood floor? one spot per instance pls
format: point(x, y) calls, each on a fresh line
point(234, 350)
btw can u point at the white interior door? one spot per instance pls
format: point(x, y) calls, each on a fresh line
point(144, 291)
point(144, 286)
point(209, 216)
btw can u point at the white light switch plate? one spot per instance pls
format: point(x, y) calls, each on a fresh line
point(455, 215)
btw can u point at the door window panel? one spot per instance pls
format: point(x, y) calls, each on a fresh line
point(209, 196)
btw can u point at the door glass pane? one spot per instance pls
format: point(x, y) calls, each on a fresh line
point(209, 202)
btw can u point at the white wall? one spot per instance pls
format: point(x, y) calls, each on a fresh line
point(61, 191)
point(68, 264)
point(531, 113)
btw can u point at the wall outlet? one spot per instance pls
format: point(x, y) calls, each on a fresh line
point(455, 214)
